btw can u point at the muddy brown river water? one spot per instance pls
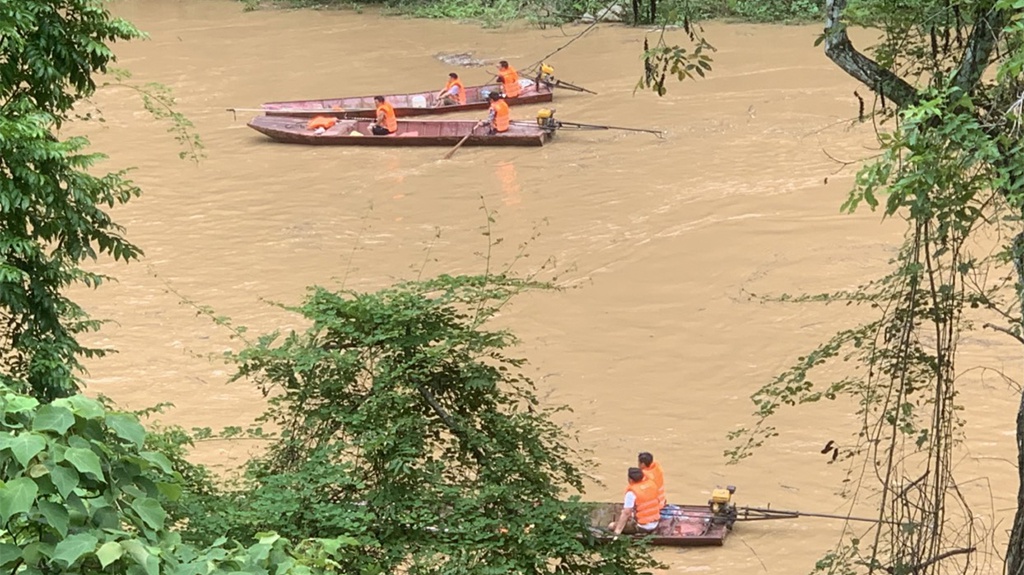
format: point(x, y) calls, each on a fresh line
point(656, 348)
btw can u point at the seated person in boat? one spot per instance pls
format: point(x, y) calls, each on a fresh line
point(509, 79)
point(498, 118)
point(652, 470)
point(641, 508)
point(454, 92)
point(385, 123)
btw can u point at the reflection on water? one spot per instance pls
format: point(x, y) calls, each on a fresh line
point(658, 349)
point(506, 172)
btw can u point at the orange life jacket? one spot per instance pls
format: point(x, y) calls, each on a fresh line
point(655, 474)
point(325, 122)
point(390, 122)
point(510, 81)
point(501, 115)
point(647, 506)
point(461, 96)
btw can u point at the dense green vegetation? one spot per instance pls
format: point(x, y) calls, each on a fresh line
point(554, 12)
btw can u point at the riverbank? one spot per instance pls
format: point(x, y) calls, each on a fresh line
point(494, 13)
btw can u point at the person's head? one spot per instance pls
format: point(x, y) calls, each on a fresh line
point(645, 459)
point(494, 96)
point(453, 76)
point(503, 64)
point(378, 99)
point(635, 475)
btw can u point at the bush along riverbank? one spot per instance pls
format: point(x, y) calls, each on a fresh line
point(555, 12)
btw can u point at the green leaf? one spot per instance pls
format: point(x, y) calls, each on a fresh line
point(36, 471)
point(24, 446)
point(16, 497)
point(56, 515)
point(64, 479)
point(142, 556)
point(109, 552)
point(150, 511)
point(171, 491)
point(37, 552)
point(9, 554)
point(158, 459)
point(85, 461)
point(53, 418)
point(73, 547)
point(81, 406)
point(127, 427)
point(20, 403)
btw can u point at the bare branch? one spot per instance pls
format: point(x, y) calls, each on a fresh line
point(1004, 330)
point(933, 560)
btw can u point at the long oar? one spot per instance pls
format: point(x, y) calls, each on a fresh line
point(325, 111)
point(658, 133)
point(573, 87)
point(452, 151)
point(764, 513)
point(767, 514)
point(561, 124)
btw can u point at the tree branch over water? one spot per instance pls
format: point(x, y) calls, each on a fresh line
point(840, 50)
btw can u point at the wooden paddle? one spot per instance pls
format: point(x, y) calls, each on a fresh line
point(452, 151)
point(298, 111)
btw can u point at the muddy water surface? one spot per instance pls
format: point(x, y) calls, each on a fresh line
point(658, 345)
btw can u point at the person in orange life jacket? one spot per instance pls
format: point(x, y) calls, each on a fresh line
point(509, 79)
point(640, 504)
point(454, 92)
point(385, 123)
point(652, 470)
point(498, 118)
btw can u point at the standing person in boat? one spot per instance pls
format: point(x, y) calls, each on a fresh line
point(509, 79)
point(641, 508)
point(652, 470)
point(385, 124)
point(498, 118)
point(454, 92)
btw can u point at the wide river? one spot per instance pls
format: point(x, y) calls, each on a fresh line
point(659, 345)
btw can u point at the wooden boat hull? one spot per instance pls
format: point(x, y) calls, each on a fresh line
point(680, 526)
point(410, 133)
point(406, 105)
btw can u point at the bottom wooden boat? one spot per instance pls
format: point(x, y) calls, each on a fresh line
point(294, 130)
point(680, 525)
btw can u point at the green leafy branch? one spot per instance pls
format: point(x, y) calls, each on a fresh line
point(664, 61)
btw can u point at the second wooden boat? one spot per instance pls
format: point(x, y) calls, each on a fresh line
point(410, 133)
point(406, 105)
point(680, 525)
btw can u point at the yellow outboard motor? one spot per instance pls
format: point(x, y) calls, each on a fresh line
point(723, 510)
point(546, 119)
point(546, 74)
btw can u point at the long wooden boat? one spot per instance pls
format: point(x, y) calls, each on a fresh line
point(680, 525)
point(406, 105)
point(410, 133)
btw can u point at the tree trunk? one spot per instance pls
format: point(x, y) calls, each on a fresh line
point(1015, 547)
